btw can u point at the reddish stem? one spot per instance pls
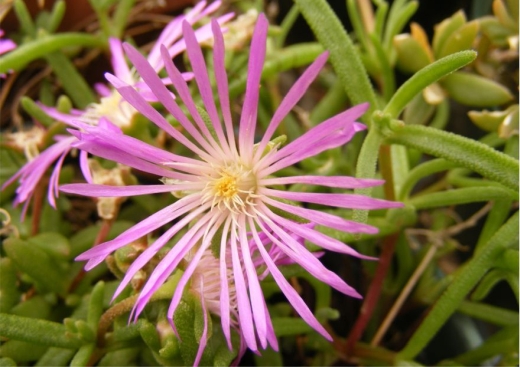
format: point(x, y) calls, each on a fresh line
point(37, 207)
point(106, 225)
point(373, 293)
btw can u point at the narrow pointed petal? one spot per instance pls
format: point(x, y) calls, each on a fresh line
point(318, 143)
point(203, 339)
point(224, 286)
point(254, 73)
point(152, 250)
point(83, 163)
point(52, 191)
point(343, 182)
point(317, 238)
point(244, 306)
point(222, 82)
point(352, 201)
point(338, 122)
point(118, 60)
point(255, 292)
point(142, 228)
point(201, 77)
point(133, 97)
point(302, 256)
point(164, 96)
point(168, 264)
point(185, 95)
point(291, 98)
point(95, 190)
point(323, 218)
point(292, 296)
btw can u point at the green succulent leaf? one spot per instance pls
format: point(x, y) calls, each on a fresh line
point(474, 90)
point(460, 40)
point(411, 56)
point(445, 29)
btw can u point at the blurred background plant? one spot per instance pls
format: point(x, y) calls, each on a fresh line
point(443, 134)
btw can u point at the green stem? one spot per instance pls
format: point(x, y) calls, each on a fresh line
point(120, 17)
point(491, 314)
point(57, 13)
point(381, 12)
point(421, 171)
point(366, 167)
point(71, 80)
point(387, 74)
point(286, 25)
point(459, 196)
point(359, 29)
point(425, 77)
point(24, 18)
point(465, 152)
point(504, 341)
point(396, 23)
point(460, 287)
point(343, 54)
point(18, 58)
point(442, 115)
point(41, 332)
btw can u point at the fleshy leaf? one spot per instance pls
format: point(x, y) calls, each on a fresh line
point(445, 29)
point(474, 90)
point(411, 56)
point(462, 39)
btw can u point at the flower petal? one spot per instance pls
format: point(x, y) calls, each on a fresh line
point(323, 218)
point(95, 190)
point(97, 254)
point(343, 182)
point(292, 296)
point(352, 201)
point(201, 77)
point(222, 82)
point(291, 98)
point(254, 73)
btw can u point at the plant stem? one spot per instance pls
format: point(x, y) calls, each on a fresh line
point(372, 296)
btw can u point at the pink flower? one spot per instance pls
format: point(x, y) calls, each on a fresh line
point(111, 105)
point(6, 45)
point(226, 188)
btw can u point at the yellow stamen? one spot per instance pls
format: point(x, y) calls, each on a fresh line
point(226, 187)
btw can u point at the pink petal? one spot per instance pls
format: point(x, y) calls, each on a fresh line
point(287, 290)
point(344, 120)
point(204, 336)
point(152, 250)
point(118, 60)
point(164, 96)
point(201, 77)
point(222, 82)
point(291, 98)
point(156, 220)
point(185, 95)
point(244, 306)
point(344, 182)
point(323, 218)
point(308, 261)
point(352, 201)
point(95, 190)
point(254, 73)
point(255, 292)
point(317, 238)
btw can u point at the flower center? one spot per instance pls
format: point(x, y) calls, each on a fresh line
point(226, 187)
point(231, 187)
point(113, 107)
